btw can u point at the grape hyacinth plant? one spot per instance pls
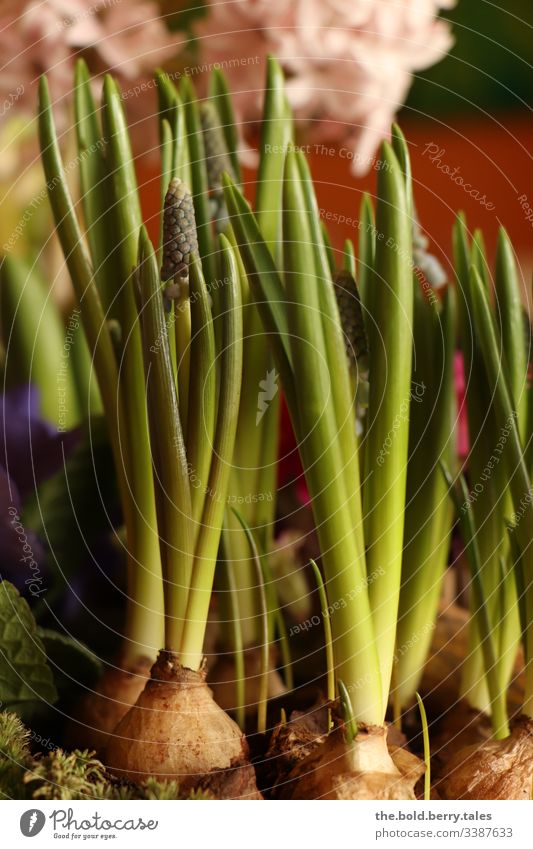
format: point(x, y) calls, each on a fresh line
point(194, 328)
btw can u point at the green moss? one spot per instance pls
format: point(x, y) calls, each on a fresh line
point(65, 775)
point(14, 755)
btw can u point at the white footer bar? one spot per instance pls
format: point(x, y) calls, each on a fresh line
point(269, 825)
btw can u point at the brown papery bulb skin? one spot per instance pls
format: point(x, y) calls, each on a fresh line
point(461, 727)
point(177, 731)
point(101, 710)
point(316, 765)
point(496, 769)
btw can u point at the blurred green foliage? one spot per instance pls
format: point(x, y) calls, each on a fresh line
point(489, 66)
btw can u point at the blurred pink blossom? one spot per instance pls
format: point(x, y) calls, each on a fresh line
point(348, 62)
point(127, 37)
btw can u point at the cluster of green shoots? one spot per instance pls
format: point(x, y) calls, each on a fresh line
point(178, 464)
point(494, 507)
point(364, 500)
point(166, 418)
point(179, 363)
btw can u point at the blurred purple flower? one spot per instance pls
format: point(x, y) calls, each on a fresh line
point(31, 450)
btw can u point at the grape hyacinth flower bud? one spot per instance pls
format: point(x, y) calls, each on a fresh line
point(217, 158)
point(351, 315)
point(355, 340)
point(218, 161)
point(180, 241)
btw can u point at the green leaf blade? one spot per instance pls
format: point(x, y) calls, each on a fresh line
point(25, 677)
